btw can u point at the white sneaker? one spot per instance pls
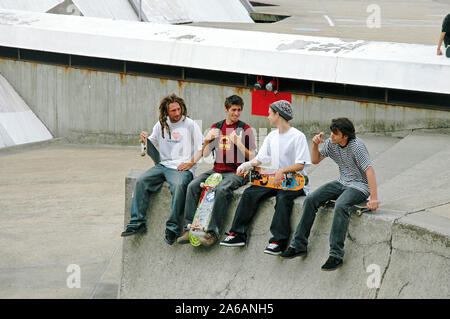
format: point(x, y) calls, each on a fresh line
point(273, 249)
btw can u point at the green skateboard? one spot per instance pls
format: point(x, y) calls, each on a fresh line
point(205, 205)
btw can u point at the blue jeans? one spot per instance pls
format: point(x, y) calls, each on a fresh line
point(151, 181)
point(345, 198)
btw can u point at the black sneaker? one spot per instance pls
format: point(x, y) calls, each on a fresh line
point(132, 230)
point(273, 249)
point(292, 252)
point(332, 263)
point(170, 237)
point(234, 240)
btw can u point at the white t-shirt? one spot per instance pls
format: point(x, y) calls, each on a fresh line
point(283, 150)
point(180, 146)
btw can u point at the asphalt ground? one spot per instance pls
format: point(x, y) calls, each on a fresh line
point(415, 21)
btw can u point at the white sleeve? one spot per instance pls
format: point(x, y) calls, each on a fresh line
point(156, 134)
point(302, 155)
point(264, 152)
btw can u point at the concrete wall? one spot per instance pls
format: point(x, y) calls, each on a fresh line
point(407, 251)
point(103, 107)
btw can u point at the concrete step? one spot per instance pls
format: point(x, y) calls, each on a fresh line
point(421, 186)
point(408, 152)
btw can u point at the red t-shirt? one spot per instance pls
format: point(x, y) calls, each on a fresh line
point(228, 156)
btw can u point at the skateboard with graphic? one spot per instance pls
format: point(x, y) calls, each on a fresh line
point(358, 209)
point(147, 147)
point(204, 209)
point(264, 176)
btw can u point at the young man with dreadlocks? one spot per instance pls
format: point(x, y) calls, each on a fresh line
point(356, 182)
point(179, 140)
point(234, 143)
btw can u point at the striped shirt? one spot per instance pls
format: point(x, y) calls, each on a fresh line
point(353, 161)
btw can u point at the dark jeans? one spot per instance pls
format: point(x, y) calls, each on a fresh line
point(345, 198)
point(224, 194)
point(248, 206)
point(150, 182)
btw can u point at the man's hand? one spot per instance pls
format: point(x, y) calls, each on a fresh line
point(318, 139)
point(439, 52)
point(373, 204)
point(244, 167)
point(185, 166)
point(278, 178)
point(212, 134)
point(144, 136)
point(236, 139)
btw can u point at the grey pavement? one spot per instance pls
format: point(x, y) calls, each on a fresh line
point(415, 21)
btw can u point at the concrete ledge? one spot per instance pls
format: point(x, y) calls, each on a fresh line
point(14, 149)
point(389, 254)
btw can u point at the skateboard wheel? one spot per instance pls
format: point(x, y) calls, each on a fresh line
point(359, 212)
point(189, 226)
point(202, 185)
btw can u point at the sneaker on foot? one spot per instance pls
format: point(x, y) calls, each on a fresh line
point(273, 249)
point(132, 230)
point(170, 237)
point(332, 264)
point(291, 252)
point(183, 239)
point(234, 240)
point(208, 239)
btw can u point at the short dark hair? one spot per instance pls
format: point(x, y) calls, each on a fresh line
point(345, 126)
point(234, 100)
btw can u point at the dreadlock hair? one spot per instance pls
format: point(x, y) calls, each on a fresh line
point(164, 112)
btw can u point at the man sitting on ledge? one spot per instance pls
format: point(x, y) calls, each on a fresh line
point(179, 140)
point(357, 180)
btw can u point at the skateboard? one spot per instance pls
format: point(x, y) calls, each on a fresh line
point(204, 208)
point(263, 176)
point(150, 149)
point(358, 209)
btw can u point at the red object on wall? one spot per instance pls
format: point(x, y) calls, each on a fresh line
point(261, 99)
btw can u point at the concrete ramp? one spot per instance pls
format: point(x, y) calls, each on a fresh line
point(18, 123)
point(389, 254)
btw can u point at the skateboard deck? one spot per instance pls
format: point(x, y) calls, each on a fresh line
point(358, 209)
point(204, 208)
point(150, 149)
point(263, 176)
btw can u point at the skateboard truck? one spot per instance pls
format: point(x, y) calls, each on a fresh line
point(196, 227)
point(143, 148)
point(359, 209)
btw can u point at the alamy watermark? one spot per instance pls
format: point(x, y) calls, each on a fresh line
point(74, 279)
point(374, 279)
point(374, 19)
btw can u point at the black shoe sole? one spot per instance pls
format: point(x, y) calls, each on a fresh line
point(295, 255)
point(137, 231)
point(331, 269)
point(169, 242)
